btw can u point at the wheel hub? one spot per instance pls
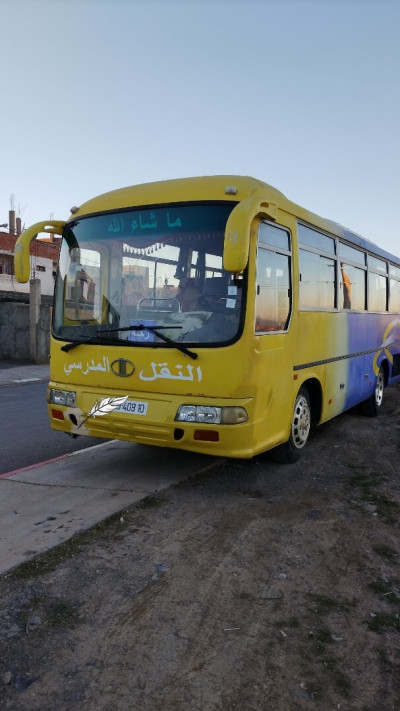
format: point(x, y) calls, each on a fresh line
point(301, 423)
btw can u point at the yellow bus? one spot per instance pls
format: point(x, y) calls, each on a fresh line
point(214, 315)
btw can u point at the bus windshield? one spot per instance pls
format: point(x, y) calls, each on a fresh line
point(159, 267)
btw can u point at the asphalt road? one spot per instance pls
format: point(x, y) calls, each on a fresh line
point(26, 436)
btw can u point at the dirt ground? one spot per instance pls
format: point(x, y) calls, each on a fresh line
point(250, 587)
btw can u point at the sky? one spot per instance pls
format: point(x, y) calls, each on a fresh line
point(302, 94)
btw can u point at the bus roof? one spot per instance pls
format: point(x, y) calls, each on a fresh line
point(218, 188)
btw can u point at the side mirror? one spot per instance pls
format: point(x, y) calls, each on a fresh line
point(237, 232)
point(22, 266)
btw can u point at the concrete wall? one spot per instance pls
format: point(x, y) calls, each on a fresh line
point(24, 332)
point(43, 328)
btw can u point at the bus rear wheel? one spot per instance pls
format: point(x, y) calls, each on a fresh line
point(290, 451)
point(373, 406)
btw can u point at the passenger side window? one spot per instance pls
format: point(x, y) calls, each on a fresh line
point(317, 280)
point(352, 287)
point(394, 304)
point(377, 292)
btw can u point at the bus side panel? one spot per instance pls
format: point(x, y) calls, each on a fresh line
point(322, 342)
point(344, 352)
point(372, 338)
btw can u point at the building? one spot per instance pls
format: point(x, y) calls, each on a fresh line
point(25, 309)
point(44, 256)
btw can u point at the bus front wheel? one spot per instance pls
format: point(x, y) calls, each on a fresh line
point(290, 451)
point(373, 405)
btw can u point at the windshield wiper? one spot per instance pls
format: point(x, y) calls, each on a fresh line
point(139, 327)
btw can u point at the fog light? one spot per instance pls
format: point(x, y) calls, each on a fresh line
point(62, 397)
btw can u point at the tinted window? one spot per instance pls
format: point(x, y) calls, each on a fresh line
point(317, 280)
point(270, 235)
point(273, 291)
point(377, 292)
point(377, 265)
point(354, 255)
point(160, 266)
point(352, 287)
point(316, 239)
point(394, 300)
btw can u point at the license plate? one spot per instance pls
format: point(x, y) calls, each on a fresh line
point(133, 407)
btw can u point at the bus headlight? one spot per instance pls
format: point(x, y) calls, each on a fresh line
point(61, 397)
point(211, 415)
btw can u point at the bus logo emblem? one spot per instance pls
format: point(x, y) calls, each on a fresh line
point(122, 367)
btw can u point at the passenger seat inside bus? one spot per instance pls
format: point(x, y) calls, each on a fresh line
point(188, 294)
point(214, 294)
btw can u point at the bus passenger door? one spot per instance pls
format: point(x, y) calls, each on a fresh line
point(273, 310)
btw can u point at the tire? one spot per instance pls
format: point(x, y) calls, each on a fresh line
point(373, 406)
point(290, 451)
